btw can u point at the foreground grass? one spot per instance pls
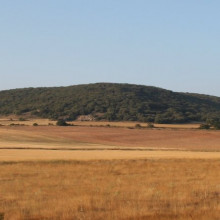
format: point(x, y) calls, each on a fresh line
point(117, 189)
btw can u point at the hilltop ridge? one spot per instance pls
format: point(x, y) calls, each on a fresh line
point(110, 101)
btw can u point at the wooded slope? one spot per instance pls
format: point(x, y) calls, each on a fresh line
point(110, 101)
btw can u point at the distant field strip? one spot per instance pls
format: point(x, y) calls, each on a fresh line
point(71, 137)
point(31, 121)
point(27, 155)
point(91, 143)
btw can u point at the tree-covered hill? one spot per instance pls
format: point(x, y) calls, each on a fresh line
point(110, 101)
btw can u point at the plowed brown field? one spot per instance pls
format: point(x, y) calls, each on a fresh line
point(181, 139)
point(52, 142)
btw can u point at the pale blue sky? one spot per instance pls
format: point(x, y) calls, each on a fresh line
point(166, 43)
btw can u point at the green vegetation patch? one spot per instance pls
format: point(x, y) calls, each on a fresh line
point(112, 102)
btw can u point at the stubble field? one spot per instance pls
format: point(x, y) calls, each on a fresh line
point(49, 172)
point(111, 189)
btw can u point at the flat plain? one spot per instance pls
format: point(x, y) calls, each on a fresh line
point(99, 172)
point(30, 121)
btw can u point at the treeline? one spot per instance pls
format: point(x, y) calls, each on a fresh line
point(112, 102)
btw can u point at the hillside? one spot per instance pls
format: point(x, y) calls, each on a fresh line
point(110, 101)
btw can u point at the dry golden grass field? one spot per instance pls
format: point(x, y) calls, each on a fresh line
point(111, 189)
point(115, 173)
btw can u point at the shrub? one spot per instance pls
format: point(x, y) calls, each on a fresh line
point(150, 125)
point(22, 119)
point(214, 122)
point(204, 126)
point(217, 126)
point(138, 126)
point(61, 122)
point(35, 124)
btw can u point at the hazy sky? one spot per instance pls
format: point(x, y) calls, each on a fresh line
point(166, 43)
